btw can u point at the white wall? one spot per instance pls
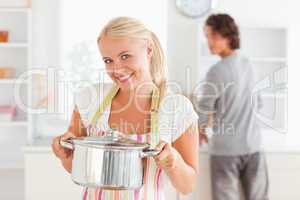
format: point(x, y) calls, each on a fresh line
point(59, 24)
point(46, 33)
point(293, 73)
point(265, 13)
point(185, 34)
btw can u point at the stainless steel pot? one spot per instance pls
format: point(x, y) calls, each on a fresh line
point(109, 162)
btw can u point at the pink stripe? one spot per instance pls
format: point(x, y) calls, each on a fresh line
point(139, 137)
point(85, 194)
point(136, 194)
point(158, 184)
point(101, 195)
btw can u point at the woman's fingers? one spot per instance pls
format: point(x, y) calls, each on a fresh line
point(59, 150)
point(160, 145)
point(164, 151)
point(166, 158)
point(68, 135)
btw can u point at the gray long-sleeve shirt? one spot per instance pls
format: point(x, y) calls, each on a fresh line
point(228, 94)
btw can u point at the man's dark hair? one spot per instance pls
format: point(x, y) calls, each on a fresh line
point(225, 25)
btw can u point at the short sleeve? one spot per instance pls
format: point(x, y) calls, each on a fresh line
point(177, 115)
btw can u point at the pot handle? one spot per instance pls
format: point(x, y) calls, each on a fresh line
point(69, 144)
point(149, 153)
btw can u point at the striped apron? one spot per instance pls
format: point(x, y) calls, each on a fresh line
point(151, 190)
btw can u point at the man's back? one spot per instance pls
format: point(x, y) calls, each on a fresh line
point(236, 131)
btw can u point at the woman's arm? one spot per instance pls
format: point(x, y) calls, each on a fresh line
point(76, 126)
point(67, 163)
point(180, 161)
point(76, 129)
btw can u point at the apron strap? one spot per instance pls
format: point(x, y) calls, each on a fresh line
point(104, 104)
point(153, 139)
point(152, 172)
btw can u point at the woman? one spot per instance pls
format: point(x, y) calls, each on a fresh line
point(135, 62)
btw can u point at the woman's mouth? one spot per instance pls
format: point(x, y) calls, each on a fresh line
point(124, 78)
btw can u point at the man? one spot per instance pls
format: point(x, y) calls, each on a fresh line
point(226, 104)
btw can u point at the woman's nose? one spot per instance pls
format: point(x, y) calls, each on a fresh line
point(117, 66)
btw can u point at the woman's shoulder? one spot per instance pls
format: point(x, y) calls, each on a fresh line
point(176, 115)
point(175, 103)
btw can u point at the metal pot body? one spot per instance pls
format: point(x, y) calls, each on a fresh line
point(107, 168)
point(109, 163)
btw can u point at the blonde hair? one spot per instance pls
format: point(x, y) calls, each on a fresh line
point(126, 27)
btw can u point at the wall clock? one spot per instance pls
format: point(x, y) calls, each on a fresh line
point(195, 8)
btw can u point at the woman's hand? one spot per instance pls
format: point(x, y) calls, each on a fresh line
point(168, 156)
point(60, 151)
point(76, 129)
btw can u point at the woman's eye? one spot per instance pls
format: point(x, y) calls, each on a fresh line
point(124, 57)
point(107, 61)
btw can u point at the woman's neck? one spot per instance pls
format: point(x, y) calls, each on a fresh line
point(141, 94)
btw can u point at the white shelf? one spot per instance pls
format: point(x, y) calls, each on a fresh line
point(13, 123)
point(15, 9)
point(14, 45)
point(13, 81)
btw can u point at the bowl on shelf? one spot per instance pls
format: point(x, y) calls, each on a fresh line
point(4, 36)
point(6, 72)
point(7, 113)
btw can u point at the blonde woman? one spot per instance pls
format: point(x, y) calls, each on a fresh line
point(135, 62)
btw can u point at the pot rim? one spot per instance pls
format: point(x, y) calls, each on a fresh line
point(117, 144)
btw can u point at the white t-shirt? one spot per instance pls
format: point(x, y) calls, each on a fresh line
point(176, 114)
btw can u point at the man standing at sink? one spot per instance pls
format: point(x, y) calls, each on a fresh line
point(227, 105)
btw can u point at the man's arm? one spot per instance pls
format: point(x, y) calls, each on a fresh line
point(210, 91)
point(205, 130)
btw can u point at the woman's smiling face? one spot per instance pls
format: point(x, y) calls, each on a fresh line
point(127, 60)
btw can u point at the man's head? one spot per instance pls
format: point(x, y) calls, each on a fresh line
point(222, 33)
